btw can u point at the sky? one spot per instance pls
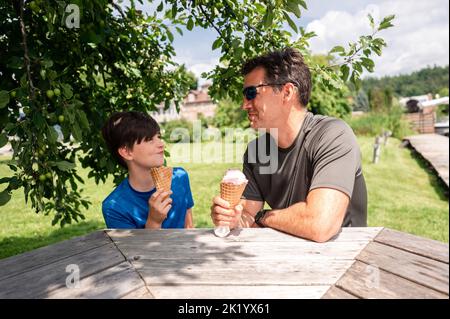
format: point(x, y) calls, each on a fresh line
point(419, 38)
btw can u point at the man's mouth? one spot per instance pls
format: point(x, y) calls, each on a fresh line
point(252, 116)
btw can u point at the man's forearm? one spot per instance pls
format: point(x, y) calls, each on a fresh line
point(300, 221)
point(247, 220)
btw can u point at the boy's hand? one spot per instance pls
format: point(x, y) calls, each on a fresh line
point(224, 215)
point(160, 204)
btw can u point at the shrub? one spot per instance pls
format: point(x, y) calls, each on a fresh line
point(374, 123)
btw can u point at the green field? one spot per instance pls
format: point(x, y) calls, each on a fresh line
point(403, 194)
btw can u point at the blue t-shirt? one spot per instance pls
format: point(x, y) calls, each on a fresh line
point(127, 208)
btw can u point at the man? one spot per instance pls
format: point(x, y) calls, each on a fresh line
point(134, 140)
point(317, 186)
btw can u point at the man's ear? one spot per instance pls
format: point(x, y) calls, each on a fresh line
point(125, 152)
point(289, 91)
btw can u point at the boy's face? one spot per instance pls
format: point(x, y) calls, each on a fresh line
point(146, 154)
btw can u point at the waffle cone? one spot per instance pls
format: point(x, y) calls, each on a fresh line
point(231, 192)
point(162, 177)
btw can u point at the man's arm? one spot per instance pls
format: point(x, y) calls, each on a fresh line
point(189, 222)
point(317, 219)
point(249, 209)
point(242, 215)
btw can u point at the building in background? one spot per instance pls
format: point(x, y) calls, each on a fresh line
point(197, 103)
point(421, 113)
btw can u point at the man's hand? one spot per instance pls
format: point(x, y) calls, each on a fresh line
point(160, 204)
point(224, 215)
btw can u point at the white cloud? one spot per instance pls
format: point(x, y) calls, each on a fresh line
point(195, 64)
point(419, 38)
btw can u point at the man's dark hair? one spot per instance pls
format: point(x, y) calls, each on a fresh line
point(284, 66)
point(125, 129)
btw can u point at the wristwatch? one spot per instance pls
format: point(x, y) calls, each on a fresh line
point(260, 216)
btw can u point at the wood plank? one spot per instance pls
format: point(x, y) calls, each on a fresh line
point(140, 293)
point(424, 271)
point(228, 272)
point(362, 281)
point(435, 149)
point(112, 283)
point(45, 255)
point(39, 282)
point(418, 245)
point(337, 293)
point(238, 292)
point(206, 235)
point(233, 251)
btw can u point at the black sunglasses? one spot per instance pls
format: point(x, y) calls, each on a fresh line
point(251, 91)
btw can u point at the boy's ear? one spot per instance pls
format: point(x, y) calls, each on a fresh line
point(125, 153)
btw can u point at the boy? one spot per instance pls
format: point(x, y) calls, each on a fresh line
point(134, 140)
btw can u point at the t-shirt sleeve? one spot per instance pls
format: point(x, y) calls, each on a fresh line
point(189, 198)
point(335, 157)
point(115, 219)
point(252, 191)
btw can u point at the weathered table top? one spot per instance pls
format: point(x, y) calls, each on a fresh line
point(250, 263)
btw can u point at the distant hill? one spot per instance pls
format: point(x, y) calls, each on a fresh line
point(428, 80)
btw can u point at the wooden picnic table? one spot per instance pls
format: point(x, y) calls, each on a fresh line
point(250, 263)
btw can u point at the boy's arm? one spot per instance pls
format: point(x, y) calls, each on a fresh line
point(189, 222)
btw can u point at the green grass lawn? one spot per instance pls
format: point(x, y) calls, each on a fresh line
point(403, 194)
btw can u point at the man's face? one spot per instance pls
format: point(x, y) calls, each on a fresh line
point(264, 110)
point(148, 154)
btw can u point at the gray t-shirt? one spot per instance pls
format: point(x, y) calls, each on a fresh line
point(324, 154)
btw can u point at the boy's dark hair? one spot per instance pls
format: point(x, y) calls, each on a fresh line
point(127, 128)
point(282, 67)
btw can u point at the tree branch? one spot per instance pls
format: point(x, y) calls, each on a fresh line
point(211, 22)
point(25, 49)
point(118, 8)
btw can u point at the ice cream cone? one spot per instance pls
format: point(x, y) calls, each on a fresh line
point(232, 192)
point(162, 177)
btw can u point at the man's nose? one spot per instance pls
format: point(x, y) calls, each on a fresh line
point(246, 104)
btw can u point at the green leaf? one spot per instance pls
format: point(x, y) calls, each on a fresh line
point(338, 49)
point(67, 90)
point(368, 64)
point(267, 19)
point(302, 3)
point(5, 196)
point(345, 72)
point(190, 24)
point(217, 43)
point(386, 23)
point(294, 8)
point(76, 131)
point(52, 135)
point(357, 66)
point(170, 35)
point(289, 20)
point(63, 165)
point(180, 32)
point(47, 63)
point(5, 180)
point(174, 10)
point(83, 119)
point(372, 22)
point(4, 99)
point(3, 140)
point(160, 7)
